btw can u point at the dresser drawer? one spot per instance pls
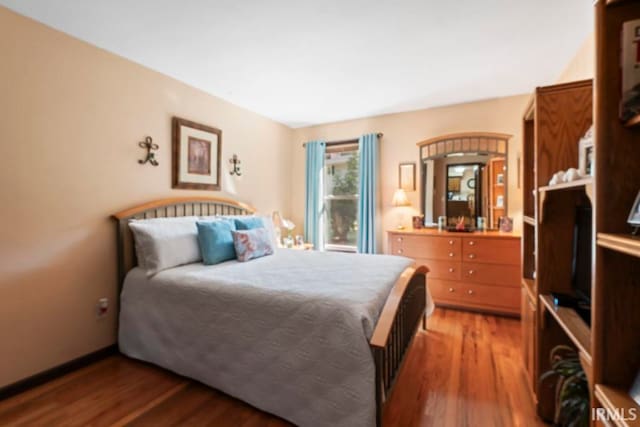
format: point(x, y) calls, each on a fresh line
point(492, 251)
point(448, 270)
point(487, 297)
point(429, 247)
point(491, 274)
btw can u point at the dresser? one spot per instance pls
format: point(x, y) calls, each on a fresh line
point(477, 271)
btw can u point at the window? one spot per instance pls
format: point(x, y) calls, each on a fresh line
point(340, 221)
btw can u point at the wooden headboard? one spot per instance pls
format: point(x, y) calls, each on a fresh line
point(168, 208)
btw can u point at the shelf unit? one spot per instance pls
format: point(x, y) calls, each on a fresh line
point(555, 120)
point(609, 349)
point(618, 401)
point(622, 243)
point(496, 190)
point(616, 291)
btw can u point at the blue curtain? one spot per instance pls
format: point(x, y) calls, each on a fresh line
point(314, 203)
point(368, 194)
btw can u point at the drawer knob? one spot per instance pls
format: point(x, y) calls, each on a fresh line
point(451, 290)
point(472, 256)
point(451, 270)
point(471, 272)
point(470, 291)
point(451, 254)
point(451, 242)
point(472, 243)
point(399, 239)
point(399, 251)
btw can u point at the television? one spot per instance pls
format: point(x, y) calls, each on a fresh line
point(582, 260)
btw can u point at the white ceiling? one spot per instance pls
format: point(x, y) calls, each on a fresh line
point(303, 62)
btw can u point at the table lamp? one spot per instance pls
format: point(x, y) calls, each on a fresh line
point(400, 200)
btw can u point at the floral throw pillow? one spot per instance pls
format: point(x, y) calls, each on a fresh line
point(250, 244)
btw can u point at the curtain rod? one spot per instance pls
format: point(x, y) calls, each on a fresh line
point(346, 141)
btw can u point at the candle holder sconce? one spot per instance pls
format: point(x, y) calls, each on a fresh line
point(235, 165)
point(150, 147)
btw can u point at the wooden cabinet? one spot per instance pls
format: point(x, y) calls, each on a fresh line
point(528, 325)
point(479, 271)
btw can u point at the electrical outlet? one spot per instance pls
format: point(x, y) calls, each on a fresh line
point(102, 307)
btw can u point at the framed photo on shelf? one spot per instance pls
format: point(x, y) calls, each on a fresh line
point(500, 179)
point(634, 215)
point(586, 154)
point(196, 155)
point(630, 102)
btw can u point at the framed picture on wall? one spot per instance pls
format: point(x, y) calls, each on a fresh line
point(407, 176)
point(196, 155)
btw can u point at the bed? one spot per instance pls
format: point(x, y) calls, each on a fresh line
point(315, 338)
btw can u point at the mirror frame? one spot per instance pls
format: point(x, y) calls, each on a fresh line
point(464, 142)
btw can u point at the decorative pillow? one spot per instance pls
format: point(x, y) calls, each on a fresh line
point(266, 221)
point(250, 244)
point(216, 241)
point(249, 222)
point(163, 243)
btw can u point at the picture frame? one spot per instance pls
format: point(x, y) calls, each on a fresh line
point(634, 215)
point(500, 179)
point(407, 176)
point(453, 184)
point(196, 153)
point(634, 391)
point(586, 150)
point(505, 224)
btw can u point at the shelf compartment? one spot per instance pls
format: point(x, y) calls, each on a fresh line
point(573, 185)
point(581, 185)
point(618, 401)
point(621, 243)
point(576, 329)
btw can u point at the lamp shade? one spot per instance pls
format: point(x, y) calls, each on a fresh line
point(400, 198)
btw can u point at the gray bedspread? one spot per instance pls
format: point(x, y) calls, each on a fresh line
point(286, 333)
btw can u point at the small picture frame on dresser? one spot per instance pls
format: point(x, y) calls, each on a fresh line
point(506, 224)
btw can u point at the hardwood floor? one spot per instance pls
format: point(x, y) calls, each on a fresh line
point(465, 371)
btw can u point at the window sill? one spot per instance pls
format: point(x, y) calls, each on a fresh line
point(340, 248)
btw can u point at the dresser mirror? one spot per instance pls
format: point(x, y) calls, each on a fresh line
point(464, 175)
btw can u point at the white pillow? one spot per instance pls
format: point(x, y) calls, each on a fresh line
point(163, 243)
point(266, 219)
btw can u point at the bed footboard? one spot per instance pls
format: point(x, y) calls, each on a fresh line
point(402, 313)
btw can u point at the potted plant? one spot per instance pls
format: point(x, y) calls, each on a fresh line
point(572, 388)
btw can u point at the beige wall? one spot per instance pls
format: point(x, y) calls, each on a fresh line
point(582, 65)
point(71, 116)
point(401, 133)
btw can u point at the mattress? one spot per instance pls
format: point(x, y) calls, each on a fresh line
point(286, 333)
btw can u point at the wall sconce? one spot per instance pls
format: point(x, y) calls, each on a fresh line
point(150, 147)
point(235, 166)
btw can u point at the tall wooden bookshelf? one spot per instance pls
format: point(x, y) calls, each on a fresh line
point(616, 309)
point(557, 117)
point(610, 346)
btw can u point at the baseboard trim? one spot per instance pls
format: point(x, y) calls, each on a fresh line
point(55, 372)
